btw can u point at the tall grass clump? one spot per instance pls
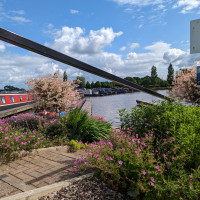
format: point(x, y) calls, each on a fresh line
point(81, 126)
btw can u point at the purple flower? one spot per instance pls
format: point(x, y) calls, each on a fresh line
point(157, 167)
point(152, 184)
point(137, 152)
point(152, 179)
point(123, 149)
point(111, 145)
point(72, 169)
point(143, 172)
point(120, 162)
point(191, 176)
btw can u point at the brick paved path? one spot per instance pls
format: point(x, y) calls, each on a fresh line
point(30, 172)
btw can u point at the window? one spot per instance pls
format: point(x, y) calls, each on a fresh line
point(3, 100)
point(20, 98)
point(27, 97)
point(12, 99)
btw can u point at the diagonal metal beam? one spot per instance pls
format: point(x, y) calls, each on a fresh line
point(25, 43)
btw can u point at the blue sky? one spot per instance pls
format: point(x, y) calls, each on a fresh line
point(123, 37)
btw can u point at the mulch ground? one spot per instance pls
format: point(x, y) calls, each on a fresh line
point(90, 189)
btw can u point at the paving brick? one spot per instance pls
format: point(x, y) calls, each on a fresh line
point(39, 184)
point(6, 189)
point(36, 174)
point(24, 177)
point(17, 183)
point(18, 170)
point(36, 168)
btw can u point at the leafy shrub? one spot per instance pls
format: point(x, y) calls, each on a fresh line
point(55, 129)
point(25, 121)
point(180, 122)
point(82, 127)
point(75, 145)
point(133, 165)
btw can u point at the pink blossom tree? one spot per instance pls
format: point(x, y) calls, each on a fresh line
point(185, 86)
point(52, 93)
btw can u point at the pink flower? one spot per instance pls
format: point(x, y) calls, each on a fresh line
point(137, 152)
point(190, 183)
point(173, 158)
point(123, 149)
point(152, 184)
point(156, 151)
point(152, 179)
point(120, 162)
point(72, 169)
point(111, 145)
point(152, 154)
point(167, 132)
point(164, 155)
point(191, 176)
point(143, 172)
point(157, 167)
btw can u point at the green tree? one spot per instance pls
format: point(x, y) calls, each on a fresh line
point(88, 85)
point(97, 84)
point(154, 74)
point(170, 75)
point(65, 76)
point(92, 85)
point(82, 83)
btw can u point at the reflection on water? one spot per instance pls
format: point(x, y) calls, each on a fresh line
point(108, 106)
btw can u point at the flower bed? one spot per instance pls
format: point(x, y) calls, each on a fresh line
point(153, 157)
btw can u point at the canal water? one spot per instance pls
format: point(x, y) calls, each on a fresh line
point(108, 106)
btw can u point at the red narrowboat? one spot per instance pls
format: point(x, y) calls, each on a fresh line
point(10, 100)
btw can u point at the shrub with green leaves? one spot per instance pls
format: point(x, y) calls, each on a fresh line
point(25, 121)
point(180, 122)
point(132, 165)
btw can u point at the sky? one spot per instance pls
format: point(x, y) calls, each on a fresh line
point(122, 37)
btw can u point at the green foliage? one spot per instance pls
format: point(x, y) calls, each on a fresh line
point(54, 129)
point(170, 75)
point(97, 84)
point(180, 121)
point(75, 145)
point(88, 86)
point(25, 121)
point(133, 165)
point(65, 76)
point(82, 83)
point(81, 127)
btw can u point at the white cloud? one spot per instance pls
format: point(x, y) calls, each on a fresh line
point(138, 2)
point(187, 5)
point(19, 19)
point(89, 48)
point(72, 40)
point(175, 56)
point(19, 12)
point(122, 48)
point(2, 46)
point(141, 26)
point(72, 11)
point(134, 46)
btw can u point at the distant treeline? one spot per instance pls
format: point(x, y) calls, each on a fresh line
point(12, 88)
point(152, 81)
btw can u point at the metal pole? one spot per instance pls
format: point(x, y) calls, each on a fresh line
point(25, 43)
